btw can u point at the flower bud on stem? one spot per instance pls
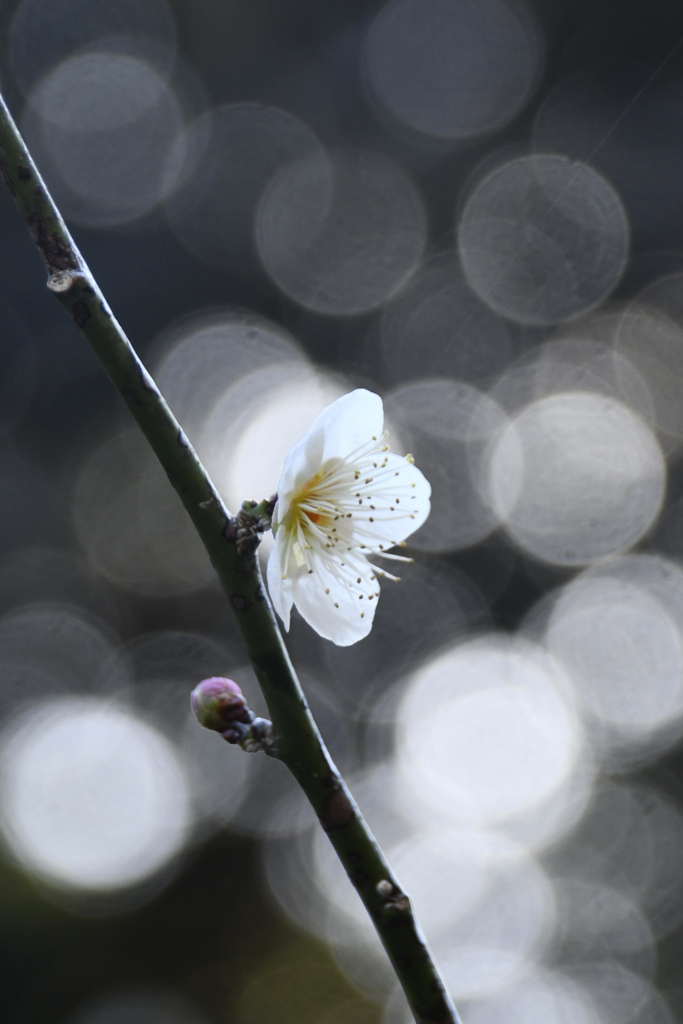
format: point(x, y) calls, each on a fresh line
point(231, 544)
point(219, 704)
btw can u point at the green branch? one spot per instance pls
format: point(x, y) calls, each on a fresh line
point(231, 544)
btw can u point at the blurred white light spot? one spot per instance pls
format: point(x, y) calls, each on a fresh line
point(56, 574)
point(653, 344)
point(575, 363)
point(484, 901)
point(619, 996)
point(447, 426)
point(431, 602)
point(660, 892)
point(650, 828)
point(436, 326)
point(44, 33)
point(245, 455)
point(165, 665)
point(543, 239)
point(664, 296)
point(105, 127)
point(597, 920)
point(575, 477)
point(289, 866)
point(446, 873)
point(218, 783)
point(554, 818)
point(623, 651)
point(290, 861)
point(48, 649)
point(452, 70)
point(485, 732)
point(116, 91)
point(659, 577)
point(91, 797)
point(504, 930)
point(580, 356)
point(621, 138)
point(340, 234)
point(204, 359)
point(541, 998)
point(132, 524)
point(229, 156)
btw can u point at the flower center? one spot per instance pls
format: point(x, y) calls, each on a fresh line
point(304, 502)
point(304, 517)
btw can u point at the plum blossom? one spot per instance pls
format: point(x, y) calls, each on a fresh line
point(343, 500)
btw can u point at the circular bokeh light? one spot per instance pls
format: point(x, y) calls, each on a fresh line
point(342, 233)
point(543, 239)
point(485, 732)
point(465, 69)
point(575, 477)
point(104, 127)
point(91, 797)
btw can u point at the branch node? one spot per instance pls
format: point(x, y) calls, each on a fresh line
point(253, 519)
point(63, 281)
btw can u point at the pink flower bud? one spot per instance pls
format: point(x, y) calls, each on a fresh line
point(217, 702)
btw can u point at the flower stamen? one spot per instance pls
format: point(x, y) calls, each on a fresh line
point(332, 524)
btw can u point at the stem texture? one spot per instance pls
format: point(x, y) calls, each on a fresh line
point(300, 745)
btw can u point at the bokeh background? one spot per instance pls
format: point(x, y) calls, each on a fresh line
point(474, 208)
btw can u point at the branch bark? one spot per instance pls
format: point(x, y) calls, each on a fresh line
point(299, 743)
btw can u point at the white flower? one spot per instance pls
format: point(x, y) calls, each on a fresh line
point(343, 498)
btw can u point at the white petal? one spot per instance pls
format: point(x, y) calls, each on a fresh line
point(302, 461)
point(353, 420)
point(280, 590)
point(343, 625)
point(346, 424)
point(410, 510)
point(378, 498)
